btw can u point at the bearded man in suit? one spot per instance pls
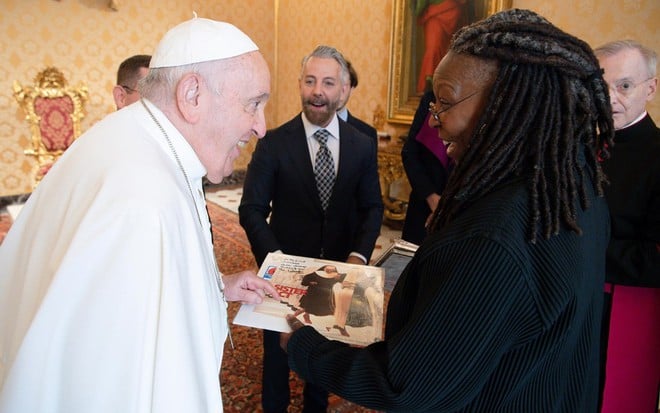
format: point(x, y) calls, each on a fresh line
point(323, 198)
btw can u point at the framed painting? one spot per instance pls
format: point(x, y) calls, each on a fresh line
point(410, 64)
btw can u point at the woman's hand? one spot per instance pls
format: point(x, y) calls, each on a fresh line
point(295, 324)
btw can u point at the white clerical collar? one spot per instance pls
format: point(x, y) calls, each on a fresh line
point(635, 121)
point(189, 160)
point(310, 128)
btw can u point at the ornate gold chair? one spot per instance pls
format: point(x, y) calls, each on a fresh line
point(394, 186)
point(53, 111)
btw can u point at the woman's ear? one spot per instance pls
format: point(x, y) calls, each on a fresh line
point(188, 97)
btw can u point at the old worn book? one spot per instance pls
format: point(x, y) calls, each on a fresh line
point(341, 301)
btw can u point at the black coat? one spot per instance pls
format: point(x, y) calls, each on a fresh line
point(362, 126)
point(633, 196)
point(481, 320)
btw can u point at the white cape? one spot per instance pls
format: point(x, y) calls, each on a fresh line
point(108, 295)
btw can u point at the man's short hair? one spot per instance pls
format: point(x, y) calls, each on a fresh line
point(128, 73)
point(612, 48)
point(328, 52)
point(352, 74)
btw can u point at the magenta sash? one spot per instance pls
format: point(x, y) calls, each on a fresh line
point(632, 373)
point(428, 137)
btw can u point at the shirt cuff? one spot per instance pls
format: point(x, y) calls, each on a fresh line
point(357, 254)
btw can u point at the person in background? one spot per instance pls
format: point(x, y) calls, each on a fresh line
point(346, 116)
point(500, 307)
point(110, 295)
point(311, 189)
point(129, 73)
point(427, 167)
point(631, 315)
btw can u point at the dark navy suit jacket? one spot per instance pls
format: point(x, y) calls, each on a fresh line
point(280, 183)
point(362, 126)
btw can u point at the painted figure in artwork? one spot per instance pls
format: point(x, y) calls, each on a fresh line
point(439, 20)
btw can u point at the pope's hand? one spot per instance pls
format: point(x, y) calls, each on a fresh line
point(247, 288)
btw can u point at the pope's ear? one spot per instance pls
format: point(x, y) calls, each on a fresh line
point(119, 94)
point(187, 97)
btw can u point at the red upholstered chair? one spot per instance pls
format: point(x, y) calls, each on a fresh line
point(53, 111)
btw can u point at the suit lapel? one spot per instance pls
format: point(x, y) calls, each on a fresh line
point(346, 156)
point(300, 158)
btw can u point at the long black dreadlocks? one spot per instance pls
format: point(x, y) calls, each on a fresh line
point(547, 106)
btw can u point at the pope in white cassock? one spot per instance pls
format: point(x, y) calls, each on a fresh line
point(110, 297)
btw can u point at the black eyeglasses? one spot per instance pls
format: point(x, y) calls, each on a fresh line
point(129, 90)
point(446, 106)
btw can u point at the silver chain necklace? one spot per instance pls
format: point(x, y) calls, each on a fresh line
point(199, 218)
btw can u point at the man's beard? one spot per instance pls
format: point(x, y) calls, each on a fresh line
point(317, 117)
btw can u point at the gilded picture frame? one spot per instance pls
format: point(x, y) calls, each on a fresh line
point(407, 44)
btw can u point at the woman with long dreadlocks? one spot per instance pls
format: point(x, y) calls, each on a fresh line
point(500, 308)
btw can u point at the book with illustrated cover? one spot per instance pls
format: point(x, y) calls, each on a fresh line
point(341, 301)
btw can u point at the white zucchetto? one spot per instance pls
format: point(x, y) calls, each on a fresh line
point(200, 40)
